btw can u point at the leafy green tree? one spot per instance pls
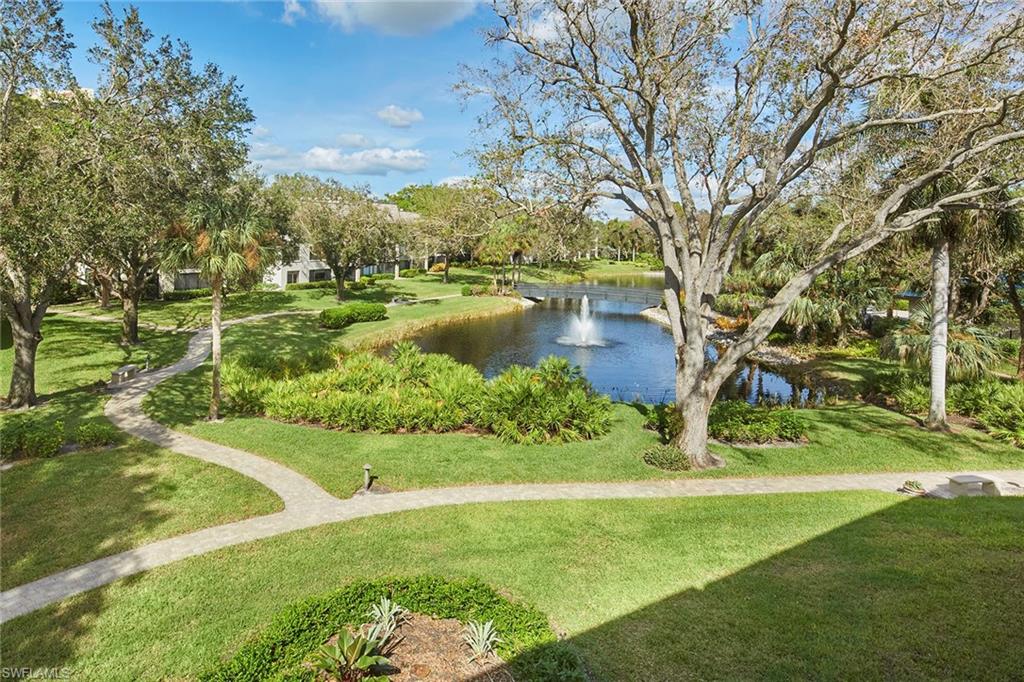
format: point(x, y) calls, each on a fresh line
point(343, 226)
point(228, 236)
point(161, 128)
point(47, 213)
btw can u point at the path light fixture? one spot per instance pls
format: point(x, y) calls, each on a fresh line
point(366, 477)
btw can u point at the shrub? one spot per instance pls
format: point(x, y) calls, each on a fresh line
point(186, 294)
point(96, 434)
point(667, 457)
point(437, 267)
point(737, 421)
point(356, 286)
point(552, 403)
point(411, 272)
point(734, 421)
point(370, 280)
point(42, 441)
point(30, 435)
point(901, 304)
point(883, 326)
point(281, 649)
point(322, 284)
point(467, 290)
point(418, 392)
point(350, 313)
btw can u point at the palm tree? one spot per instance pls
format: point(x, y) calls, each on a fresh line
point(227, 237)
point(969, 353)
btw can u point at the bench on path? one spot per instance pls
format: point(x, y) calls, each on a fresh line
point(123, 374)
point(968, 484)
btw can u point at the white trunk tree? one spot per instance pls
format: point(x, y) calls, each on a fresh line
point(939, 333)
point(703, 117)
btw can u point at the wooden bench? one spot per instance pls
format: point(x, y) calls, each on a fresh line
point(123, 374)
point(967, 484)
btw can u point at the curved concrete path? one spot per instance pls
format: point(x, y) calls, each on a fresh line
point(308, 505)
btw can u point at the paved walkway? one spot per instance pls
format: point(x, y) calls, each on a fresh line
point(307, 504)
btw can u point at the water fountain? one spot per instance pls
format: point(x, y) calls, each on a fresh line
point(583, 330)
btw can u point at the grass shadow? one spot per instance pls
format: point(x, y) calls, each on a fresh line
point(920, 590)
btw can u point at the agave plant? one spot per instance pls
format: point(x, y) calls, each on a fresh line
point(970, 350)
point(481, 638)
point(349, 658)
point(385, 617)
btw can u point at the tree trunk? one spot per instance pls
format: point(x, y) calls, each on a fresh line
point(694, 405)
point(339, 283)
point(447, 264)
point(130, 316)
point(953, 285)
point(939, 333)
point(105, 286)
point(1012, 282)
point(22, 391)
point(216, 286)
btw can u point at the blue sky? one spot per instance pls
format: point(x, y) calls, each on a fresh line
point(360, 92)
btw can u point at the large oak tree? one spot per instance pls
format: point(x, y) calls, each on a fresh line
point(701, 117)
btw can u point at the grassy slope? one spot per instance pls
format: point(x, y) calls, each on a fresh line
point(92, 504)
point(855, 585)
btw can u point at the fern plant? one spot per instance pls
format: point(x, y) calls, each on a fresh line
point(481, 638)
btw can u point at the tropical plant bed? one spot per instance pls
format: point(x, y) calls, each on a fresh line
point(434, 649)
point(438, 610)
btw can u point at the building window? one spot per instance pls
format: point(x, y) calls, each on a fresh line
point(319, 275)
point(293, 276)
point(189, 280)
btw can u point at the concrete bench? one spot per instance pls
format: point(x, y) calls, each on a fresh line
point(123, 374)
point(967, 484)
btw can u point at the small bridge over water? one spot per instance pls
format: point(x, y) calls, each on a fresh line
point(596, 292)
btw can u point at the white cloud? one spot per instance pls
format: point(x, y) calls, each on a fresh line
point(378, 161)
point(397, 117)
point(293, 10)
point(396, 17)
point(260, 132)
point(354, 140)
point(264, 150)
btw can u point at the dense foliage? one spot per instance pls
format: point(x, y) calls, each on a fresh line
point(280, 650)
point(996, 405)
point(416, 392)
point(27, 435)
point(734, 421)
point(350, 313)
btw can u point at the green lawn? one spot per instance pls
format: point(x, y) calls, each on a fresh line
point(196, 312)
point(61, 512)
point(855, 585)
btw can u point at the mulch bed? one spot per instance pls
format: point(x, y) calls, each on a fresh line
point(433, 649)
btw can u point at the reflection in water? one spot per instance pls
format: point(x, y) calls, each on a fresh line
point(636, 362)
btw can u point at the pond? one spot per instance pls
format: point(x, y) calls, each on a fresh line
point(623, 354)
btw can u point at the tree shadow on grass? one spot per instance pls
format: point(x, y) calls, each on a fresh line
point(63, 512)
point(925, 589)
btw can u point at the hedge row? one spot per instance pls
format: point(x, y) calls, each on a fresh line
point(28, 436)
point(279, 651)
point(350, 313)
point(187, 294)
point(322, 284)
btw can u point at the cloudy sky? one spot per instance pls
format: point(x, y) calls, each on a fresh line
point(358, 91)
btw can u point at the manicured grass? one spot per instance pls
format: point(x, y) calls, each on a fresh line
point(195, 313)
point(842, 439)
point(62, 512)
point(856, 585)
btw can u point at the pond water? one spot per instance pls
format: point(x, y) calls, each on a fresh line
point(633, 361)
